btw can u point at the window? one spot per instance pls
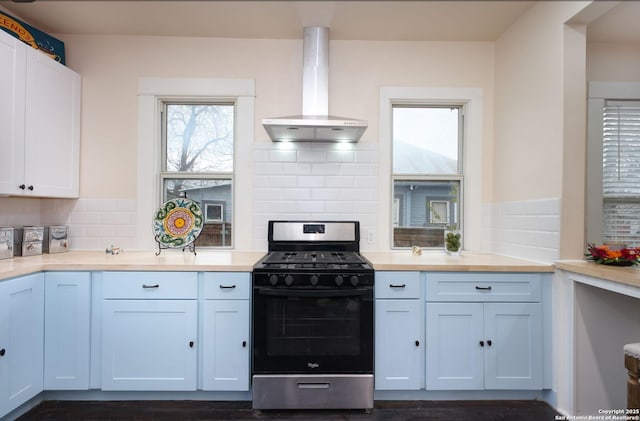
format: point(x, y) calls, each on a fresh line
point(197, 146)
point(462, 189)
point(613, 196)
point(427, 172)
point(438, 212)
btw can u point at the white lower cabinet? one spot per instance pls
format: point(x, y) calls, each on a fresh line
point(21, 340)
point(398, 331)
point(67, 330)
point(149, 341)
point(483, 345)
point(226, 331)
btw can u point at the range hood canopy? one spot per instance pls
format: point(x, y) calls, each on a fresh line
point(315, 124)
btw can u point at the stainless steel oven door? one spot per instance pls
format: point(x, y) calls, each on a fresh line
point(313, 330)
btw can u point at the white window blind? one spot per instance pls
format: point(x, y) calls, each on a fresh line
point(621, 172)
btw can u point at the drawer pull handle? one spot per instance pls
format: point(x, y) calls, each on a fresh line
point(314, 385)
point(483, 288)
point(150, 286)
point(397, 286)
point(227, 286)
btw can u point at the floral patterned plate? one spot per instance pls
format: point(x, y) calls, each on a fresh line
point(177, 223)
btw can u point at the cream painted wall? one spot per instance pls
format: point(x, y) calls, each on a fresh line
point(624, 57)
point(529, 104)
point(111, 66)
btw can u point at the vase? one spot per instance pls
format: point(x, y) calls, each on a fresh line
point(452, 242)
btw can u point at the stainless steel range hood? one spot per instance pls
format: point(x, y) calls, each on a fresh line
point(315, 124)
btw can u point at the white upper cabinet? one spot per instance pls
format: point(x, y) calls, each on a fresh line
point(40, 130)
point(12, 97)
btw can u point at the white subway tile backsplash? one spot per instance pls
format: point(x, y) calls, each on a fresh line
point(340, 156)
point(312, 155)
point(526, 229)
point(84, 218)
point(327, 168)
point(340, 181)
point(311, 181)
point(279, 181)
point(356, 169)
point(95, 224)
point(296, 168)
point(280, 155)
point(327, 194)
point(332, 182)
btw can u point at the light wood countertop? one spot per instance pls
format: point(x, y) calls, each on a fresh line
point(628, 275)
point(241, 261)
point(465, 262)
point(168, 260)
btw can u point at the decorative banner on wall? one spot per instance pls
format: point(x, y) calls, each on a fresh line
point(34, 37)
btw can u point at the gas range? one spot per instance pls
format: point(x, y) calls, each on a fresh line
point(313, 318)
point(308, 254)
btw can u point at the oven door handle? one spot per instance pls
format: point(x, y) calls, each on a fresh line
point(306, 293)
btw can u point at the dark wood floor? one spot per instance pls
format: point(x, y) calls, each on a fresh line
point(207, 410)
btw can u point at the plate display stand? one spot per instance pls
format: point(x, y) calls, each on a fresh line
point(191, 247)
point(177, 224)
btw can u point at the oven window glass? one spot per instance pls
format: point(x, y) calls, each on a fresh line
point(313, 327)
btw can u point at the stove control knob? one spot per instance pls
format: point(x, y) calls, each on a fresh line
point(354, 280)
point(273, 279)
point(288, 280)
point(314, 280)
point(339, 280)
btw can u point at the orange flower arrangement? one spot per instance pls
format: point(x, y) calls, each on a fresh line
point(605, 255)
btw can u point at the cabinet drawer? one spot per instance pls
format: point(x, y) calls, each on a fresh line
point(150, 285)
point(227, 285)
point(522, 287)
point(397, 285)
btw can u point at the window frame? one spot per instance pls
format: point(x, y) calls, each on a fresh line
point(598, 95)
point(151, 94)
point(471, 99)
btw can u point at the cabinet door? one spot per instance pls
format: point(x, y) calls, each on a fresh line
point(67, 330)
point(21, 340)
point(149, 344)
point(12, 91)
point(52, 129)
point(225, 345)
point(398, 345)
point(454, 355)
point(514, 358)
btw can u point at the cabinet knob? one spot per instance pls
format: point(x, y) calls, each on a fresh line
point(2, 352)
point(489, 342)
point(30, 187)
point(481, 343)
point(191, 343)
point(244, 344)
point(22, 187)
point(417, 343)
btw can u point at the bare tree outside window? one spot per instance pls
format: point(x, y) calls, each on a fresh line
point(198, 161)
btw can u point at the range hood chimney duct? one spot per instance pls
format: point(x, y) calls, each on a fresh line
point(315, 124)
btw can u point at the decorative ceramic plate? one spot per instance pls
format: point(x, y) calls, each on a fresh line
point(177, 223)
